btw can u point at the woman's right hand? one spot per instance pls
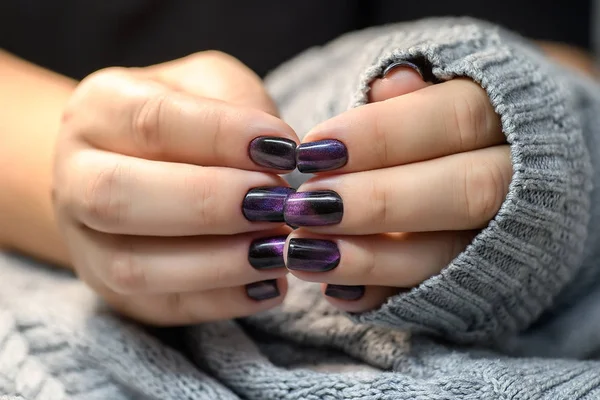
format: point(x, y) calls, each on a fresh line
point(152, 170)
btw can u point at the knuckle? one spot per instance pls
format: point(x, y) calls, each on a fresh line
point(101, 84)
point(202, 190)
point(216, 60)
point(468, 119)
point(124, 274)
point(210, 56)
point(184, 307)
point(379, 203)
point(240, 85)
point(148, 122)
point(104, 78)
point(105, 81)
point(175, 304)
point(456, 244)
point(368, 270)
point(483, 191)
point(380, 142)
point(103, 201)
point(212, 121)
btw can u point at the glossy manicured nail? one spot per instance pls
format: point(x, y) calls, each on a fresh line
point(345, 292)
point(398, 64)
point(273, 152)
point(266, 203)
point(267, 253)
point(322, 155)
point(316, 208)
point(313, 255)
point(263, 290)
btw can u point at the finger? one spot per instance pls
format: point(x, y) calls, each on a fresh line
point(149, 265)
point(458, 192)
point(215, 75)
point(439, 120)
point(355, 299)
point(181, 308)
point(401, 260)
point(145, 119)
point(397, 80)
point(124, 195)
point(199, 307)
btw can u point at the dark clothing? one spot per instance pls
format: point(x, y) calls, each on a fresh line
point(77, 37)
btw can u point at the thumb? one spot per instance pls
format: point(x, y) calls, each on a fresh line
point(399, 78)
point(216, 75)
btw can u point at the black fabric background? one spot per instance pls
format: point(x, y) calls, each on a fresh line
point(77, 37)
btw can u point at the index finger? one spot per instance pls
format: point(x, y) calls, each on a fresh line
point(116, 112)
point(436, 121)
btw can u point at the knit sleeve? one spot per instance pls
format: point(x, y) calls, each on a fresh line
point(532, 255)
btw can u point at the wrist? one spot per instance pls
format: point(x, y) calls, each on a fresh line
point(31, 105)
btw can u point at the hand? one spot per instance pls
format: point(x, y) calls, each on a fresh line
point(403, 185)
point(151, 169)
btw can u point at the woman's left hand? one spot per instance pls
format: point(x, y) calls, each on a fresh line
point(403, 185)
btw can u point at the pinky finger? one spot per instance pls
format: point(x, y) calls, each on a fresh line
point(192, 308)
point(358, 298)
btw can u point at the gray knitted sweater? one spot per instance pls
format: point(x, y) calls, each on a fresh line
point(515, 316)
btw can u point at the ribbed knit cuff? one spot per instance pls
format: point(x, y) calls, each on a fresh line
point(516, 266)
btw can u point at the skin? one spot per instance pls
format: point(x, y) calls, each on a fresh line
point(90, 182)
point(445, 144)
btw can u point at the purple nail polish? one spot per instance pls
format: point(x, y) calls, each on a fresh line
point(265, 203)
point(312, 255)
point(342, 292)
point(262, 290)
point(316, 208)
point(398, 64)
point(322, 155)
point(273, 152)
point(267, 253)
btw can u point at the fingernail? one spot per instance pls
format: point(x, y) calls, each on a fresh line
point(322, 155)
point(263, 290)
point(313, 255)
point(265, 203)
point(398, 64)
point(267, 253)
point(345, 292)
point(273, 152)
point(316, 208)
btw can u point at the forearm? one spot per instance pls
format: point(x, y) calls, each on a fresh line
point(571, 57)
point(31, 104)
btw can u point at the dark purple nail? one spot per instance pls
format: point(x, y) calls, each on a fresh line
point(317, 208)
point(323, 155)
point(398, 64)
point(266, 203)
point(262, 290)
point(345, 292)
point(267, 253)
point(273, 152)
point(313, 255)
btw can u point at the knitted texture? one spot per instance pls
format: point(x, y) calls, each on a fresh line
point(528, 283)
point(515, 268)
